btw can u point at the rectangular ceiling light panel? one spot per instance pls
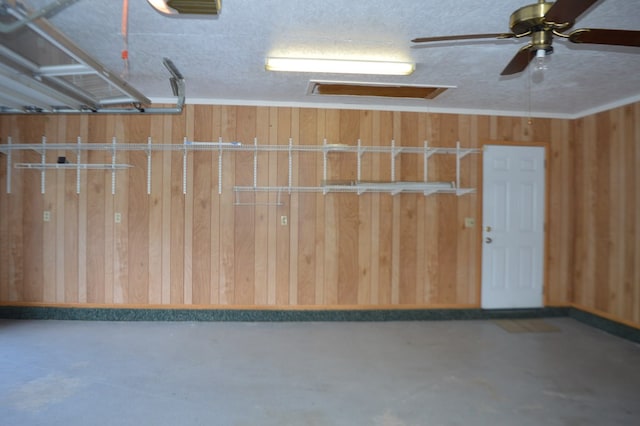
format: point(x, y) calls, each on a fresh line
point(339, 66)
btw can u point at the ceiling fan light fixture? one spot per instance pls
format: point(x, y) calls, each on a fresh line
point(541, 60)
point(339, 66)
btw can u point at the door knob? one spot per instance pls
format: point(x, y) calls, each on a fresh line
point(488, 240)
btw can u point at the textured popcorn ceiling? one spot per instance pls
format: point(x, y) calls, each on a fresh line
point(222, 58)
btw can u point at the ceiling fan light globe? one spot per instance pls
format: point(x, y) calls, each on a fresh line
point(540, 61)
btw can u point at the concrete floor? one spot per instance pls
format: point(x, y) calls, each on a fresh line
point(391, 374)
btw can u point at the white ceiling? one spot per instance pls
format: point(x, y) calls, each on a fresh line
point(222, 58)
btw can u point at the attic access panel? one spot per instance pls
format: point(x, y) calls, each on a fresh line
point(41, 70)
point(343, 88)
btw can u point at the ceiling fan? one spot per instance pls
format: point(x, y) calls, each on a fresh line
point(542, 21)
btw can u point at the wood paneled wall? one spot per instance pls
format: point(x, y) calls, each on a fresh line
point(607, 218)
point(337, 249)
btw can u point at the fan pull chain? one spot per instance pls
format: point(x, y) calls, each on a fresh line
point(125, 39)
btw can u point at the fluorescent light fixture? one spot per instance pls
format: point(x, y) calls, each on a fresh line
point(339, 66)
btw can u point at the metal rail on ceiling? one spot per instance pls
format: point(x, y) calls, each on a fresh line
point(61, 78)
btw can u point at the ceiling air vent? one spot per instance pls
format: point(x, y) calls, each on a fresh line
point(187, 7)
point(342, 88)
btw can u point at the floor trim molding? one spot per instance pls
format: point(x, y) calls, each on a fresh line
point(269, 315)
point(605, 324)
point(274, 315)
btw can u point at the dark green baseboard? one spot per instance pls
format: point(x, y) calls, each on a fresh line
point(269, 315)
point(604, 324)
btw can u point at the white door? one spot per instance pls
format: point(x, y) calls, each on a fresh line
point(513, 226)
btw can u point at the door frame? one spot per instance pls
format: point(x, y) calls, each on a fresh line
point(547, 190)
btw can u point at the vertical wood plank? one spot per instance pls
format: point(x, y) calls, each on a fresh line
point(96, 189)
point(227, 210)
point(71, 220)
point(154, 199)
point(177, 209)
point(447, 214)
point(432, 280)
point(283, 232)
point(138, 214)
point(319, 282)
point(364, 213)
point(395, 221)
point(188, 209)
point(560, 228)
point(383, 256)
point(635, 294)
point(618, 200)
point(244, 257)
point(408, 229)
point(111, 270)
point(167, 184)
point(294, 207)
point(347, 213)
point(331, 252)
point(420, 275)
point(32, 224)
point(374, 174)
point(602, 211)
point(272, 220)
point(216, 276)
point(306, 217)
point(202, 205)
point(464, 209)
point(261, 244)
point(121, 292)
point(49, 266)
point(60, 208)
point(5, 253)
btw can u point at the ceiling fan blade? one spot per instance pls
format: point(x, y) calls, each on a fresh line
point(567, 10)
point(606, 36)
point(462, 37)
point(520, 61)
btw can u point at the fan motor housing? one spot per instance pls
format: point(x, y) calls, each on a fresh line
point(529, 18)
point(196, 7)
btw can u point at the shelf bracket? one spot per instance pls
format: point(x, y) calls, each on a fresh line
point(149, 165)
point(458, 168)
point(359, 162)
point(43, 160)
point(425, 165)
point(113, 165)
point(393, 160)
point(78, 161)
point(220, 165)
point(184, 166)
point(290, 164)
point(9, 151)
point(255, 162)
point(324, 164)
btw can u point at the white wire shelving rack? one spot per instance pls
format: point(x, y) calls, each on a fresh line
point(357, 186)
